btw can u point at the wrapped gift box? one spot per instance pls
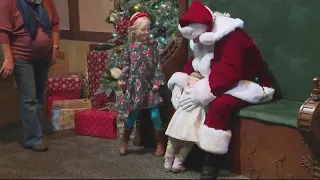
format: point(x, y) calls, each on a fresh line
point(52, 99)
point(92, 122)
point(64, 82)
point(101, 100)
point(96, 66)
point(63, 86)
point(63, 113)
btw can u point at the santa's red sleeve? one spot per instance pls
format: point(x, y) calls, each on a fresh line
point(229, 70)
point(181, 78)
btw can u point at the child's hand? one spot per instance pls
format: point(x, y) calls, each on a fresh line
point(121, 84)
point(155, 88)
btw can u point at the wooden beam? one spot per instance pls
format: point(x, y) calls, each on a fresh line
point(75, 33)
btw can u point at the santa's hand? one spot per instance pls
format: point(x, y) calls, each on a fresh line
point(176, 94)
point(203, 93)
point(189, 104)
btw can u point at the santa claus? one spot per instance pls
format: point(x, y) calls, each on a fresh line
point(235, 76)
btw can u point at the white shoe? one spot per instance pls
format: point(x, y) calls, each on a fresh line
point(178, 165)
point(168, 160)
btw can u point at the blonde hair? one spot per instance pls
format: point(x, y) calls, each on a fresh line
point(142, 21)
point(196, 75)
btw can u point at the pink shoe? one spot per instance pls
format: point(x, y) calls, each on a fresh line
point(178, 165)
point(168, 160)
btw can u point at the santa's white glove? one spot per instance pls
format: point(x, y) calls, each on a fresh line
point(189, 104)
point(176, 94)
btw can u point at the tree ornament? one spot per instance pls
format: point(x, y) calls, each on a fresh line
point(135, 8)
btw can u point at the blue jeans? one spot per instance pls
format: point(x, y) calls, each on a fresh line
point(31, 77)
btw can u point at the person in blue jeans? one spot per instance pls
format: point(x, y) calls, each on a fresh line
point(29, 34)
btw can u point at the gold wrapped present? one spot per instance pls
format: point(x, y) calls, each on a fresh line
point(63, 113)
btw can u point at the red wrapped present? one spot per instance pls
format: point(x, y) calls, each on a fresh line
point(59, 82)
point(92, 122)
point(100, 100)
point(63, 86)
point(96, 66)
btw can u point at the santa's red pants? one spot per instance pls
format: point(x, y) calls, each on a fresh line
point(221, 110)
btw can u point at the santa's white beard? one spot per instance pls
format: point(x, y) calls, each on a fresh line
point(200, 50)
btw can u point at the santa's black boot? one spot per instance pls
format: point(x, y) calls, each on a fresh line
point(211, 166)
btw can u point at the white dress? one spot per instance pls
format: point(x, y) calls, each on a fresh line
point(185, 125)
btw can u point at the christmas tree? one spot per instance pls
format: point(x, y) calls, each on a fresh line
point(164, 28)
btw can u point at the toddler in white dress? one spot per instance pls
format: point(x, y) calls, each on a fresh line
point(183, 129)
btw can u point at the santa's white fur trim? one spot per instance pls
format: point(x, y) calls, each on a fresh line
point(251, 92)
point(222, 26)
point(213, 140)
point(203, 92)
point(178, 78)
point(193, 30)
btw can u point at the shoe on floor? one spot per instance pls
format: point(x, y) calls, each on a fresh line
point(41, 147)
point(168, 161)
point(177, 166)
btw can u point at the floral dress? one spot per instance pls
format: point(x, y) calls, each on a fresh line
point(142, 70)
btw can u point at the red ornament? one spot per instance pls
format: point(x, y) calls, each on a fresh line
point(118, 42)
point(122, 27)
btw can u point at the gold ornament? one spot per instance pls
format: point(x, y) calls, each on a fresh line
point(136, 8)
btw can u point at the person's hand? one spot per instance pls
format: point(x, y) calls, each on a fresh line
point(189, 104)
point(155, 88)
point(7, 68)
point(121, 84)
point(54, 56)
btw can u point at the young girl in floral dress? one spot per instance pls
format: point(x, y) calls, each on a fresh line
point(141, 78)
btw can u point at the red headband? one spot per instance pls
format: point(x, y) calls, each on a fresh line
point(137, 16)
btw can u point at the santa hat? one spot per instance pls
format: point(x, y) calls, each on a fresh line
point(197, 13)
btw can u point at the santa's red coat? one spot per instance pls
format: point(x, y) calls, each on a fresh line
point(236, 57)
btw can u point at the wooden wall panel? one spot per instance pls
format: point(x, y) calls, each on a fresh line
point(75, 32)
point(92, 15)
